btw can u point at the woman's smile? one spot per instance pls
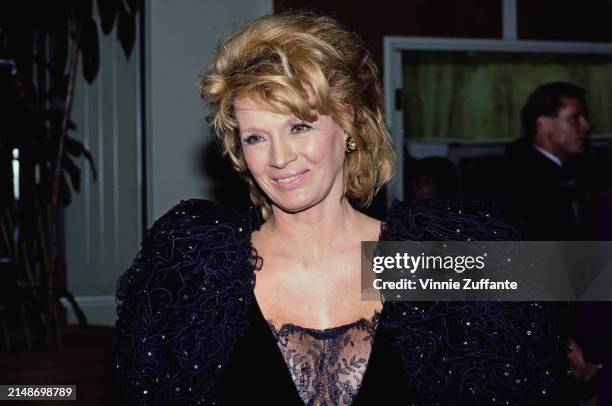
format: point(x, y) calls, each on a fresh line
point(291, 181)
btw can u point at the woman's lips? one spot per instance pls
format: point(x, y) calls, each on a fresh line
point(290, 181)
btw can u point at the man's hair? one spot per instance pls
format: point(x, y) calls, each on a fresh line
point(546, 100)
point(302, 64)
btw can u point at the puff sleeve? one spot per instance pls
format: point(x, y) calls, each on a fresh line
point(181, 304)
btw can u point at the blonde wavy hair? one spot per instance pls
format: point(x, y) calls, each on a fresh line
point(303, 64)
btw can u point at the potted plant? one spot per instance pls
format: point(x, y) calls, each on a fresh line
point(41, 44)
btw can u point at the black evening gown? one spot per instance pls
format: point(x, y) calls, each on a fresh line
point(190, 331)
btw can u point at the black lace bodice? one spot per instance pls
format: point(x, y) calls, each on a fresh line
point(327, 366)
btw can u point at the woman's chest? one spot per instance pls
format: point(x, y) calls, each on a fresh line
point(318, 295)
point(295, 366)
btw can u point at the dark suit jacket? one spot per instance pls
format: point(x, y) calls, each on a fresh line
point(535, 192)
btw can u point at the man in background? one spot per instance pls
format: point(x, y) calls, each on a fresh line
point(537, 179)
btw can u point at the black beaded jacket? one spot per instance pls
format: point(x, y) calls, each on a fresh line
point(189, 330)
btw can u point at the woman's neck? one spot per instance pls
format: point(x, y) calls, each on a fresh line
point(315, 232)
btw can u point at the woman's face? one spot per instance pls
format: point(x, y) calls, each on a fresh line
point(297, 164)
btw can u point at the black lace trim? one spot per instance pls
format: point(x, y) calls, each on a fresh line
point(327, 365)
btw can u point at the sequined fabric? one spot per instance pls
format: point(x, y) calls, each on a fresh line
point(180, 305)
point(327, 366)
point(182, 309)
point(474, 353)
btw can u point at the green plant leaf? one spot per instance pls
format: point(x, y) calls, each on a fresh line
point(90, 50)
point(74, 173)
point(134, 6)
point(126, 30)
point(107, 10)
point(76, 148)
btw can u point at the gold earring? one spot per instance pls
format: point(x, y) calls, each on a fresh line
point(350, 145)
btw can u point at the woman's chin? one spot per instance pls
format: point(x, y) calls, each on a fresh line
point(293, 209)
point(295, 204)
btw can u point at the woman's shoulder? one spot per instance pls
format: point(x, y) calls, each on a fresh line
point(439, 220)
point(192, 239)
point(192, 214)
point(187, 241)
point(182, 303)
point(481, 352)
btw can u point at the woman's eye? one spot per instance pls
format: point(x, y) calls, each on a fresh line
point(252, 139)
point(300, 128)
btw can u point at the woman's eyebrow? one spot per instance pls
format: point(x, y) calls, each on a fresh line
point(249, 130)
point(289, 121)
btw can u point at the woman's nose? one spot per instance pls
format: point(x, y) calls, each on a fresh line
point(282, 153)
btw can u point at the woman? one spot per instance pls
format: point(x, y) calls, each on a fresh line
point(297, 105)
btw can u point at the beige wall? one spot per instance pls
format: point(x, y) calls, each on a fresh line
point(182, 36)
point(103, 224)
